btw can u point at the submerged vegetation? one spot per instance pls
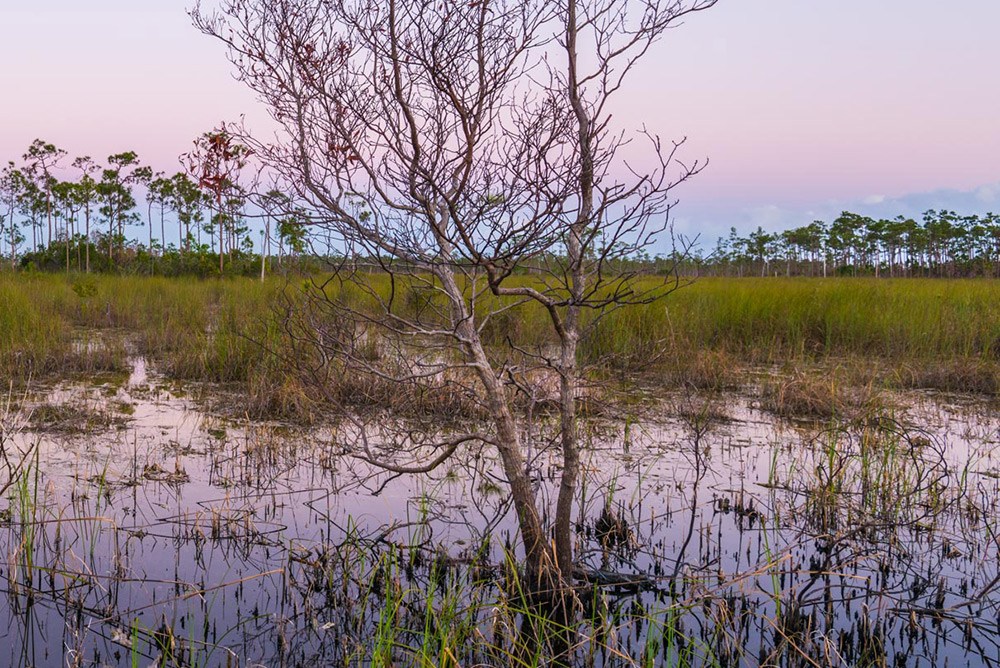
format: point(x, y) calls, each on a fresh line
point(710, 535)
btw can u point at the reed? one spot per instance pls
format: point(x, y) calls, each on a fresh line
point(901, 333)
point(771, 320)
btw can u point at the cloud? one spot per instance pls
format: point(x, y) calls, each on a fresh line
point(716, 218)
point(989, 194)
point(964, 202)
point(769, 216)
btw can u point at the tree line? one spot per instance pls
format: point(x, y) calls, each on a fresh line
point(92, 222)
point(941, 244)
point(85, 223)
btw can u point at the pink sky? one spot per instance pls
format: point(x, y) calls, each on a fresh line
point(803, 107)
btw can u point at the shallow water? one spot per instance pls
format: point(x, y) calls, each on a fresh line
point(147, 530)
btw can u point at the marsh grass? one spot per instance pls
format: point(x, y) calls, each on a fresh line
point(73, 418)
point(932, 334)
point(910, 333)
point(769, 320)
point(973, 375)
point(822, 396)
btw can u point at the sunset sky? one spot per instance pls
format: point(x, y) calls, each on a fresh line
point(804, 107)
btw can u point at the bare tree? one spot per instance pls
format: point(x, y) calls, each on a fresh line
point(454, 147)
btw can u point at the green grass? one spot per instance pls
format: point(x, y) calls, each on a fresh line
point(903, 333)
point(190, 329)
point(769, 320)
point(916, 333)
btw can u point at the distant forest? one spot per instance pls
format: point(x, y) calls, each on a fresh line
point(92, 223)
point(942, 244)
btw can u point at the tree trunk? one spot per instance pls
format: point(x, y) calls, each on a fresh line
point(563, 529)
point(163, 231)
point(88, 235)
point(111, 237)
point(263, 245)
point(539, 565)
point(48, 205)
point(12, 237)
point(149, 221)
point(569, 328)
point(221, 226)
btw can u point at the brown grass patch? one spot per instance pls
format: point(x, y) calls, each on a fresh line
point(70, 418)
point(705, 370)
point(818, 396)
point(961, 375)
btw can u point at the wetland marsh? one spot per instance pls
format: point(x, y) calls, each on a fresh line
point(172, 499)
point(416, 362)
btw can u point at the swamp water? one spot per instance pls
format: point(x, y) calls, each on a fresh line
point(142, 530)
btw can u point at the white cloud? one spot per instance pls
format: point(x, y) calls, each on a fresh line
point(769, 217)
point(989, 194)
point(964, 202)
